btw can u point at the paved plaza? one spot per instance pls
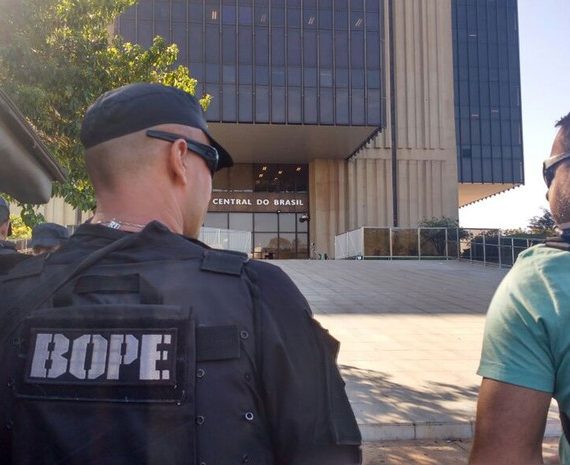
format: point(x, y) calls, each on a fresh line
point(410, 337)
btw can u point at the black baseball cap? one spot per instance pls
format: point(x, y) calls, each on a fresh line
point(48, 235)
point(142, 105)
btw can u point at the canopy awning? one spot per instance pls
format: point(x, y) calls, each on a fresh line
point(27, 169)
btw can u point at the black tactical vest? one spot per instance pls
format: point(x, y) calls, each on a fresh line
point(136, 355)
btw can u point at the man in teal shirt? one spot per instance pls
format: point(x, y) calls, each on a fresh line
point(525, 360)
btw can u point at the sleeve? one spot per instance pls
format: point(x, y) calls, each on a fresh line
point(517, 338)
point(308, 411)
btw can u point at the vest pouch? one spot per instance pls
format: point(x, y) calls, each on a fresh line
point(106, 385)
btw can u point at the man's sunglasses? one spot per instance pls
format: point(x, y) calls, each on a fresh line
point(208, 153)
point(549, 166)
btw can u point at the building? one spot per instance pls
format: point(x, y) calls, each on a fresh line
point(487, 97)
point(28, 169)
point(348, 113)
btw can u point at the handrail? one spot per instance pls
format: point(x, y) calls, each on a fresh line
point(486, 246)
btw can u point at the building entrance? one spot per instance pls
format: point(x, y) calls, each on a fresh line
point(267, 200)
point(274, 235)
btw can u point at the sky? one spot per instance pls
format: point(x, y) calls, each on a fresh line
point(545, 90)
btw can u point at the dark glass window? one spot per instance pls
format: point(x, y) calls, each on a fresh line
point(294, 105)
point(294, 17)
point(294, 48)
point(325, 19)
point(358, 112)
point(342, 107)
point(326, 105)
point(267, 55)
point(341, 49)
point(325, 49)
point(262, 47)
point(196, 13)
point(212, 44)
point(245, 74)
point(310, 18)
point(278, 104)
point(128, 28)
point(310, 105)
point(195, 39)
point(373, 106)
point(144, 11)
point(261, 15)
point(277, 16)
point(245, 104)
point(326, 78)
point(229, 45)
point(293, 76)
point(229, 14)
point(229, 103)
point(262, 104)
point(212, 73)
point(310, 48)
point(278, 46)
point(245, 15)
point(145, 34)
point(262, 75)
point(310, 77)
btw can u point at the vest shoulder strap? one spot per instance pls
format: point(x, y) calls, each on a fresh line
point(559, 243)
point(25, 267)
point(224, 262)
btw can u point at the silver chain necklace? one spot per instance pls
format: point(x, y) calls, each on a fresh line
point(114, 223)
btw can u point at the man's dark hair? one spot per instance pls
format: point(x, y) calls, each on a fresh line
point(563, 122)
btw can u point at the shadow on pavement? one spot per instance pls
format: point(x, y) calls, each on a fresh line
point(378, 400)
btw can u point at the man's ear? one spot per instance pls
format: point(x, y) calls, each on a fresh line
point(177, 160)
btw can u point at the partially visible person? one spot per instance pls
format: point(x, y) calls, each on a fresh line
point(525, 360)
point(6, 247)
point(48, 237)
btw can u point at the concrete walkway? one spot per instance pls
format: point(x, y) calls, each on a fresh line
point(437, 452)
point(410, 337)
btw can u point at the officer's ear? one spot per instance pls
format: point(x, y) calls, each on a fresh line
point(178, 161)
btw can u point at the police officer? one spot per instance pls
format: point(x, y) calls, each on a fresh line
point(140, 345)
point(6, 247)
point(48, 237)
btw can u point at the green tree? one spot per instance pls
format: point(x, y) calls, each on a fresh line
point(19, 229)
point(542, 225)
point(437, 236)
point(57, 56)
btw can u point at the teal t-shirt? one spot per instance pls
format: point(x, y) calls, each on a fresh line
point(527, 331)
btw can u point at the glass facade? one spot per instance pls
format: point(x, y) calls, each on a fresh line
point(263, 177)
point(275, 234)
point(487, 91)
point(275, 61)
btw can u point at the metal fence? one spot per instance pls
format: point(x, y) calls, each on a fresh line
point(487, 246)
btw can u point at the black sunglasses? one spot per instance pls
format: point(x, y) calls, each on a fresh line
point(208, 153)
point(550, 164)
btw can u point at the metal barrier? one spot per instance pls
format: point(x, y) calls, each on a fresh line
point(487, 246)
